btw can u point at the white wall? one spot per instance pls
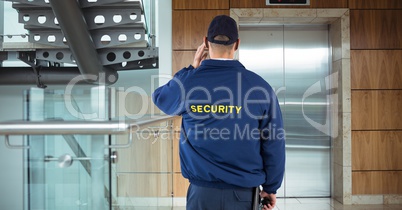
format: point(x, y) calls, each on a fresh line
point(164, 39)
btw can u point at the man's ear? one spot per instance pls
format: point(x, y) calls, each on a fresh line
point(237, 43)
point(206, 42)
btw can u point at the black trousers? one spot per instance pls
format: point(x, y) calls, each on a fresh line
point(205, 198)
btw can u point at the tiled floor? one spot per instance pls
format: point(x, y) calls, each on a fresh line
point(301, 204)
point(321, 204)
point(326, 204)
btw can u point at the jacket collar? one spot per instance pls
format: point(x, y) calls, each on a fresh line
point(215, 62)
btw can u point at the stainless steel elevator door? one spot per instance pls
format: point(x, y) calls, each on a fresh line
point(293, 59)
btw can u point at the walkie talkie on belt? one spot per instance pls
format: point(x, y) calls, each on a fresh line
point(258, 203)
point(256, 198)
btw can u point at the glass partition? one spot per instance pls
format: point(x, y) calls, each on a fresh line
point(95, 171)
point(67, 171)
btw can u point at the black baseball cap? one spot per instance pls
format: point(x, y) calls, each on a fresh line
point(223, 25)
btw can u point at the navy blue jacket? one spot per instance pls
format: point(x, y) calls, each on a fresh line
point(232, 132)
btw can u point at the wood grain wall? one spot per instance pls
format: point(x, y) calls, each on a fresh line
point(375, 4)
point(142, 169)
point(313, 4)
point(373, 150)
point(376, 82)
point(200, 4)
point(377, 182)
point(374, 110)
point(191, 26)
point(376, 29)
point(376, 69)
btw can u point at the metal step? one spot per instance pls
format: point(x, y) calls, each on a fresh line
point(117, 28)
point(96, 17)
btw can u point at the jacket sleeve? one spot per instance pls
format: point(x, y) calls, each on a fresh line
point(170, 97)
point(273, 146)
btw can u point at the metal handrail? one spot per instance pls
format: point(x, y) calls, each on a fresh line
point(62, 127)
point(52, 127)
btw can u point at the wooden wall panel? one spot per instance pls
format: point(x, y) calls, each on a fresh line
point(191, 26)
point(176, 144)
point(376, 69)
point(376, 150)
point(182, 59)
point(375, 29)
point(147, 154)
point(377, 110)
point(176, 155)
point(313, 4)
point(329, 3)
point(247, 4)
point(375, 4)
point(181, 185)
point(200, 4)
point(144, 185)
point(376, 83)
point(377, 182)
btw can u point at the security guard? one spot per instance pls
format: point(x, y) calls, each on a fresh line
point(232, 136)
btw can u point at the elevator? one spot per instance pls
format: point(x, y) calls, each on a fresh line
point(294, 60)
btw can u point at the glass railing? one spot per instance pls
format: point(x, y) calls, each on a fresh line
point(72, 161)
point(70, 169)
